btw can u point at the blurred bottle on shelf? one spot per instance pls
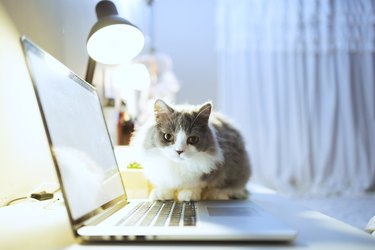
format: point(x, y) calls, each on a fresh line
point(125, 125)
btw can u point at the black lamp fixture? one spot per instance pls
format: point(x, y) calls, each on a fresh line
point(112, 40)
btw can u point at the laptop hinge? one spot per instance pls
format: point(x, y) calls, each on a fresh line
point(104, 214)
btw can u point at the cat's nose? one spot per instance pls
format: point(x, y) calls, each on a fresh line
point(179, 151)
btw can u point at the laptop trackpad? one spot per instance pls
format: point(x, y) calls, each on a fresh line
point(232, 211)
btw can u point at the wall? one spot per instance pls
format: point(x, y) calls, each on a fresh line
point(24, 157)
point(186, 31)
point(59, 27)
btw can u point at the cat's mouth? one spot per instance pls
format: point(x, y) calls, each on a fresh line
point(179, 158)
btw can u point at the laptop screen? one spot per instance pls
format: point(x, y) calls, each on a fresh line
point(77, 134)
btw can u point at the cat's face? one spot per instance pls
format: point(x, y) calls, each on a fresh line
point(182, 135)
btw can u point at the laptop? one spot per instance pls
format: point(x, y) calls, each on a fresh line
point(91, 184)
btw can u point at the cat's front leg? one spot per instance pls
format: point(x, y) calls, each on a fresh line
point(192, 194)
point(161, 194)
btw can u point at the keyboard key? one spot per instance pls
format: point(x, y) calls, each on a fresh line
point(176, 214)
point(128, 215)
point(152, 213)
point(138, 214)
point(189, 214)
point(164, 213)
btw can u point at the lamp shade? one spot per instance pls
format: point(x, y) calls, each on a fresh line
point(113, 40)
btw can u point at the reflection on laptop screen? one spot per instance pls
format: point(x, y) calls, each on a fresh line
point(78, 134)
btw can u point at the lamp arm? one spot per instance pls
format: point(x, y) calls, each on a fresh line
point(91, 64)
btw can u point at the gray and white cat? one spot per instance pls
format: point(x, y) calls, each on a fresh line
point(190, 154)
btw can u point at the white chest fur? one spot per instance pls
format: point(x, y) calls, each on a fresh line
point(163, 172)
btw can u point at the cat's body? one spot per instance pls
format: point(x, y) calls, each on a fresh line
point(190, 154)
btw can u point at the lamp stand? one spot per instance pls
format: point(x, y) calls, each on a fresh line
point(90, 70)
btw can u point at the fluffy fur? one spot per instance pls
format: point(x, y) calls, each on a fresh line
point(190, 154)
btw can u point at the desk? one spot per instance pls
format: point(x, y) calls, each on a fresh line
point(30, 226)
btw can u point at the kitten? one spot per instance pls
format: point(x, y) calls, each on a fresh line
point(190, 154)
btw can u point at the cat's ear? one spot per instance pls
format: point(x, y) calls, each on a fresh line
point(161, 110)
point(204, 112)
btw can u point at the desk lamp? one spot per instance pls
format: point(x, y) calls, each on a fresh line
point(112, 40)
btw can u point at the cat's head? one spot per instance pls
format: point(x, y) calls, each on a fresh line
point(183, 133)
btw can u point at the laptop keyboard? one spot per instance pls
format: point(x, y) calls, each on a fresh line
point(161, 213)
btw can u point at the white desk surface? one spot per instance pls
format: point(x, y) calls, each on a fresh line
point(40, 225)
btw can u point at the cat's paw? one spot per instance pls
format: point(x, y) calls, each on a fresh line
point(239, 194)
point(216, 194)
point(189, 195)
point(161, 194)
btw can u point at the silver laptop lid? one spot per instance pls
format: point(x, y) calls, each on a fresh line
point(79, 141)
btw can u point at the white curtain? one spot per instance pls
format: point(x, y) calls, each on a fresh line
point(297, 76)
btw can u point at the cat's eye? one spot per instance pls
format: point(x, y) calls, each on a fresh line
point(193, 140)
point(168, 137)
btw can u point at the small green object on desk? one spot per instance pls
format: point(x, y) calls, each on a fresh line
point(134, 165)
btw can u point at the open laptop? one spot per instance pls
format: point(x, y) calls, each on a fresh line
point(93, 189)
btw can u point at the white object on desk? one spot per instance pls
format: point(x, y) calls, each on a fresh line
point(35, 225)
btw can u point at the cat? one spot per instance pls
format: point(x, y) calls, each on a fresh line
point(189, 153)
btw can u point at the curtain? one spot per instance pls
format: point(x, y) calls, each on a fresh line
point(297, 77)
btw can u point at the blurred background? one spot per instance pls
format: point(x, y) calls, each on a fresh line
point(296, 77)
